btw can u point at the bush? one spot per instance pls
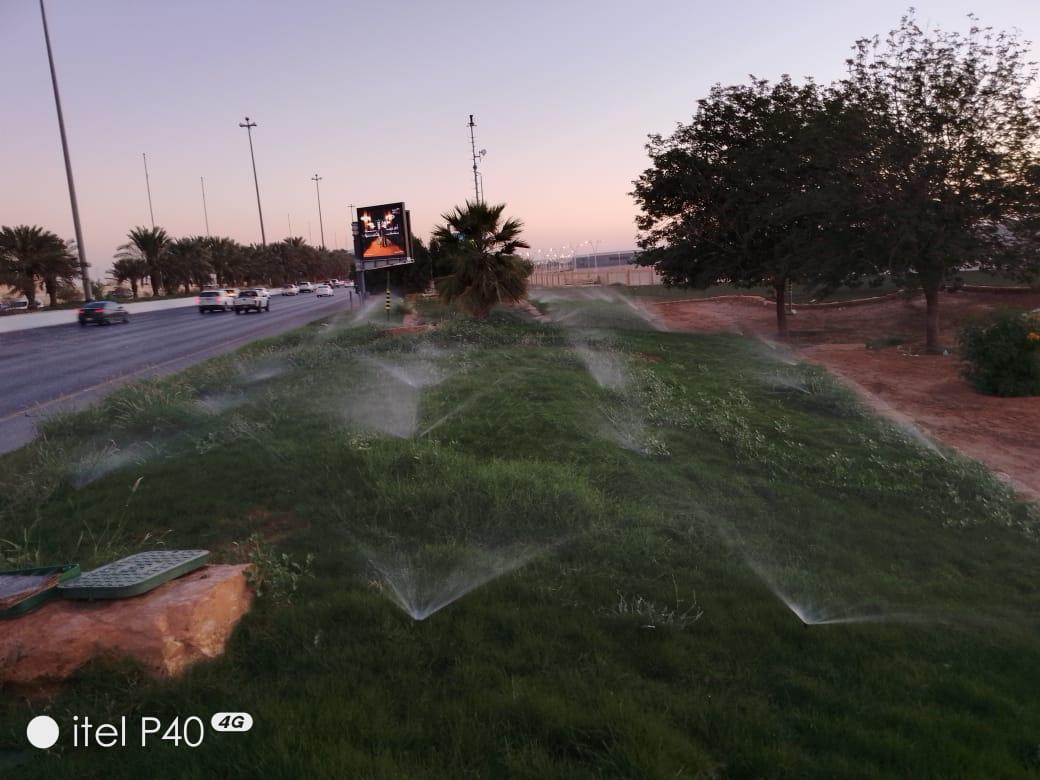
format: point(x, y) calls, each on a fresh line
point(1002, 353)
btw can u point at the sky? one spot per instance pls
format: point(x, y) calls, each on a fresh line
point(375, 99)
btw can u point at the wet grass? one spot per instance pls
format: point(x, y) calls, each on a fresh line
point(640, 637)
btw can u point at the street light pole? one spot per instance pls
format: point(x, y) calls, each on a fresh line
point(148, 187)
point(321, 226)
point(205, 211)
point(249, 129)
point(68, 164)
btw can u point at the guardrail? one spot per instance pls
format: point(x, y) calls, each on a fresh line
point(42, 319)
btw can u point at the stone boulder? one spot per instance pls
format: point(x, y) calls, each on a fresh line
point(180, 622)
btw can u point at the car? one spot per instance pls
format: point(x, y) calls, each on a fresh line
point(290, 289)
point(121, 294)
point(306, 287)
point(103, 313)
point(323, 291)
point(214, 300)
point(22, 305)
point(252, 300)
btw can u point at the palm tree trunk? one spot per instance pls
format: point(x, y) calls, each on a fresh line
point(50, 284)
point(133, 287)
point(29, 290)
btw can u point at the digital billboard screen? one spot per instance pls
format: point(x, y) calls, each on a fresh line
point(383, 232)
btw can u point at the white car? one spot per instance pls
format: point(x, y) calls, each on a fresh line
point(306, 287)
point(323, 291)
point(214, 300)
point(252, 300)
point(290, 289)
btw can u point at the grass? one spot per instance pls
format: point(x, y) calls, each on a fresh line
point(640, 637)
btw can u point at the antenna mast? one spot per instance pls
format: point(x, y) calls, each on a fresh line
point(473, 146)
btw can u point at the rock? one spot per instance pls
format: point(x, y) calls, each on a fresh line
point(180, 622)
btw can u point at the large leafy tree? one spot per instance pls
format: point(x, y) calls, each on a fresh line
point(150, 245)
point(481, 247)
point(753, 191)
point(955, 128)
point(28, 255)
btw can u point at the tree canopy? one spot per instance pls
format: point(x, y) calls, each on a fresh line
point(481, 249)
point(31, 256)
point(923, 161)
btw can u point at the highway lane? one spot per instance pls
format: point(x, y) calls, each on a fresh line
point(61, 367)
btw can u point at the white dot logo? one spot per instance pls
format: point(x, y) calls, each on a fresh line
point(42, 732)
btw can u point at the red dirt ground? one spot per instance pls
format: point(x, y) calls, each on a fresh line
point(901, 382)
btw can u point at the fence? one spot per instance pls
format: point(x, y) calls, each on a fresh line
point(633, 276)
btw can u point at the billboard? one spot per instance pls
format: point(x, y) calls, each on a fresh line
point(383, 232)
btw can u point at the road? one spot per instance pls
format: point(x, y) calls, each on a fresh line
point(63, 367)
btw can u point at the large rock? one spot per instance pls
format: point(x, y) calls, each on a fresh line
point(170, 628)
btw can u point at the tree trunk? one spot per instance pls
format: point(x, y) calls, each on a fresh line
point(133, 288)
point(51, 286)
point(931, 297)
point(779, 288)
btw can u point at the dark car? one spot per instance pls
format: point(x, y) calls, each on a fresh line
point(103, 313)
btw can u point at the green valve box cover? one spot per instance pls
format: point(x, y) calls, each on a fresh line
point(25, 590)
point(134, 575)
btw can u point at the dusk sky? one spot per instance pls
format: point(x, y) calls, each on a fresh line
point(376, 102)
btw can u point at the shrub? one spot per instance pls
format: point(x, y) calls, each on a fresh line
point(1002, 353)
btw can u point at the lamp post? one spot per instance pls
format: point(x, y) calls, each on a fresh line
point(249, 129)
point(68, 164)
point(321, 226)
point(205, 211)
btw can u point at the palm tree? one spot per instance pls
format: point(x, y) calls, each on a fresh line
point(30, 253)
point(482, 249)
point(226, 257)
point(187, 263)
point(129, 269)
point(150, 245)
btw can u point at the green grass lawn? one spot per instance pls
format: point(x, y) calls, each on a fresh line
point(621, 550)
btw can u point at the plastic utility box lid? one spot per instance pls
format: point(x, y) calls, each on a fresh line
point(133, 575)
point(25, 590)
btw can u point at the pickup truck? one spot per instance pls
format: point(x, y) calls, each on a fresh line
point(252, 300)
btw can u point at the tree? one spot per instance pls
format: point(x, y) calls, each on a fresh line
point(226, 257)
point(59, 270)
point(150, 245)
point(187, 263)
point(955, 123)
point(29, 254)
point(485, 269)
point(752, 191)
point(130, 269)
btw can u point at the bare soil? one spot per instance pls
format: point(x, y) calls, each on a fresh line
point(899, 381)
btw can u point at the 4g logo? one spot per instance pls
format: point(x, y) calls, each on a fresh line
point(232, 721)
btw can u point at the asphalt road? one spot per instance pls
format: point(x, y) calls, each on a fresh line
point(62, 367)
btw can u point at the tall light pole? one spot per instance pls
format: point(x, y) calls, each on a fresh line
point(476, 157)
point(148, 187)
point(249, 129)
point(321, 226)
point(68, 164)
point(205, 211)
